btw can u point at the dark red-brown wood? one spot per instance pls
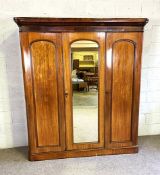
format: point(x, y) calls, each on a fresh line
point(122, 88)
point(44, 89)
point(80, 24)
point(45, 47)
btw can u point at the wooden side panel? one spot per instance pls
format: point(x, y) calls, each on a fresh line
point(43, 55)
point(123, 68)
point(44, 91)
point(122, 82)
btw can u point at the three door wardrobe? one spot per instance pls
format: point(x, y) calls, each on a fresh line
point(82, 85)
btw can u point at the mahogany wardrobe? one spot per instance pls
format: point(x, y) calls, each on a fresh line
point(82, 85)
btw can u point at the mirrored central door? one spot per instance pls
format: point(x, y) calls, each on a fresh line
point(84, 72)
point(84, 89)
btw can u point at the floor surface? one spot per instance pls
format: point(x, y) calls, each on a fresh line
point(85, 116)
point(146, 162)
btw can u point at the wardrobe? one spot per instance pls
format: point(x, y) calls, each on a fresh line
point(99, 116)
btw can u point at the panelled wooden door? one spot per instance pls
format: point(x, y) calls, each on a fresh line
point(123, 65)
point(69, 38)
point(44, 87)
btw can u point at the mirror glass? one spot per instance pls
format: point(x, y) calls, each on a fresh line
point(84, 71)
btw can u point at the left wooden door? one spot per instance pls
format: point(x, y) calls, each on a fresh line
point(44, 89)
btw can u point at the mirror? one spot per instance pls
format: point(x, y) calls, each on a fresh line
point(84, 71)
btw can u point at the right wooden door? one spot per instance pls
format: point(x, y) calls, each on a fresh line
point(123, 63)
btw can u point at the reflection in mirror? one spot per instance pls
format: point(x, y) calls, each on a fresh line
point(84, 67)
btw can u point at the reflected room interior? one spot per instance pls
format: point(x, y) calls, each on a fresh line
point(84, 69)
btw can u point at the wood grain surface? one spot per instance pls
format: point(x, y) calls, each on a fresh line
point(45, 46)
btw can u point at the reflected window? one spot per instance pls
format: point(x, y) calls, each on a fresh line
point(84, 71)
